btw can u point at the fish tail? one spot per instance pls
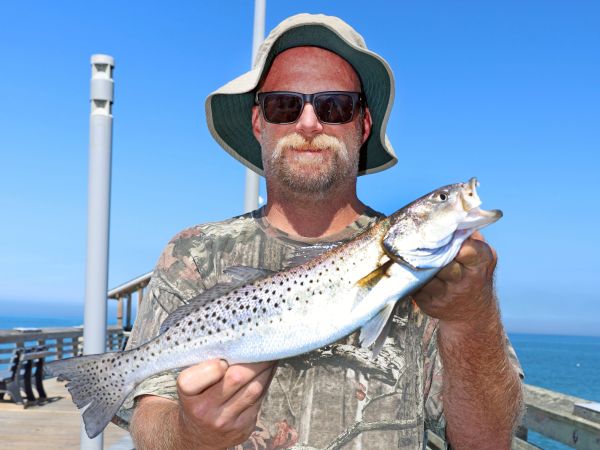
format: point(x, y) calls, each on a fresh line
point(99, 383)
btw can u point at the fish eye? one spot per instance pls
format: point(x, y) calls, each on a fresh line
point(443, 196)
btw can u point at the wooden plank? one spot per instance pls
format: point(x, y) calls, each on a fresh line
point(551, 414)
point(588, 410)
point(54, 425)
point(519, 444)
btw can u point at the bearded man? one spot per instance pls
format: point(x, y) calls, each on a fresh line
point(311, 117)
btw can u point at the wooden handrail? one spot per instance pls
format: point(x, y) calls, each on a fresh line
point(61, 342)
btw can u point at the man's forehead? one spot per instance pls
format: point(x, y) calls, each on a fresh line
point(298, 61)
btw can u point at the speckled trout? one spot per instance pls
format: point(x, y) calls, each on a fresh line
point(270, 316)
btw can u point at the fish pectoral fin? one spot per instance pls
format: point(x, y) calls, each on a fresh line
point(374, 277)
point(376, 330)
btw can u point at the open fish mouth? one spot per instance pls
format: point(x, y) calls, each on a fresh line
point(476, 217)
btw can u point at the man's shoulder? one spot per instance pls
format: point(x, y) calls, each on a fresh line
point(227, 228)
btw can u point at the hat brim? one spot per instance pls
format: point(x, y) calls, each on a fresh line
point(229, 109)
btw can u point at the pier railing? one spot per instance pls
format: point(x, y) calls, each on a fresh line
point(123, 294)
point(61, 342)
point(570, 420)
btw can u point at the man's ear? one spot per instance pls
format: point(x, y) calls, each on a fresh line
point(256, 122)
point(367, 124)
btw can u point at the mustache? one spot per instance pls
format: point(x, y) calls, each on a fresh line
point(295, 141)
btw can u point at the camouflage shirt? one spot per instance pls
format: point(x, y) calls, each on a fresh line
point(335, 397)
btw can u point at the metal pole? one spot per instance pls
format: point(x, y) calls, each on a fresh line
point(252, 178)
point(96, 276)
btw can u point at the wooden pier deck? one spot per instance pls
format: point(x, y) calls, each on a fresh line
point(52, 425)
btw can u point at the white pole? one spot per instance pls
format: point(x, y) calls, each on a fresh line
point(96, 276)
point(252, 178)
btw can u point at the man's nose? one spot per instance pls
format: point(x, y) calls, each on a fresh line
point(308, 124)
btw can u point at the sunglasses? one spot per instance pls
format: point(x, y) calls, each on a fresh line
point(331, 107)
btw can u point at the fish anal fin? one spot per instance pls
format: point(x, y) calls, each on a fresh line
point(376, 329)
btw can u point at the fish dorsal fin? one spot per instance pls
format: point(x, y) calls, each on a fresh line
point(246, 274)
point(376, 330)
point(305, 254)
point(240, 275)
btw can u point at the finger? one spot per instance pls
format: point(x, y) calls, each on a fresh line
point(477, 236)
point(474, 252)
point(452, 272)
point(196, 379)
point(239, 375)
point(434, 288)
point(249, 396)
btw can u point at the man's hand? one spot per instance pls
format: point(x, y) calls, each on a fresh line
point(481, 390)
point(220, 404)
point(462, 291)
point(217, 408)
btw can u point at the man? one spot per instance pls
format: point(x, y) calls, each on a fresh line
point(311, 149)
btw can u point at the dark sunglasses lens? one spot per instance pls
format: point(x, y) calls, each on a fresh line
point(334, 108)
point(282, 108)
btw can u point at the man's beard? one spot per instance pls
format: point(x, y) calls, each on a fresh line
point(314, 166)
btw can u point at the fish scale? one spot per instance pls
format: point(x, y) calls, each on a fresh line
point(270, 317)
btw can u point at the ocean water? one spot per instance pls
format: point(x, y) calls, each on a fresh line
point(568, 364)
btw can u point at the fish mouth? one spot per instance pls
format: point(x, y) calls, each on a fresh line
point(476, 217)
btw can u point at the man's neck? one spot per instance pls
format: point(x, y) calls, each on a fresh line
point(312, 215)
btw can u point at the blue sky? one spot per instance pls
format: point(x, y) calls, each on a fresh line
point(506, 91)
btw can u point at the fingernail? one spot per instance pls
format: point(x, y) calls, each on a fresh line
point(224, 364)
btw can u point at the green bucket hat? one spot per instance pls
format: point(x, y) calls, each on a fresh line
point(229, 109)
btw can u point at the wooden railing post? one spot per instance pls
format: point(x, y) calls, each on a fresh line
point(120, 311)
point(59, 348)
point(75, 341)
point(128, 315)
